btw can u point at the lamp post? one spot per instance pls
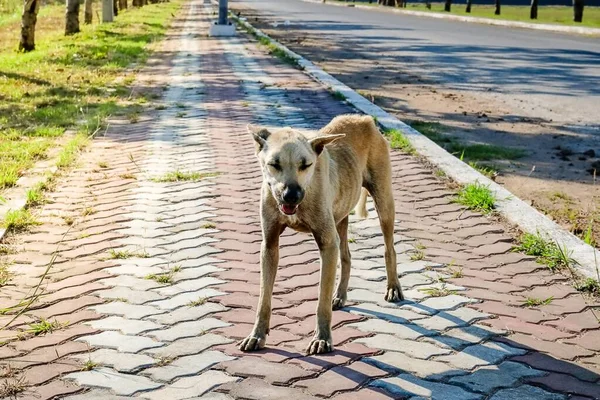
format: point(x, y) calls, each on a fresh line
point(222, 27)
point(222, 12)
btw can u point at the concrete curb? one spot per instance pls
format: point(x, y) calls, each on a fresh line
point(580, 30)
point(515, 210)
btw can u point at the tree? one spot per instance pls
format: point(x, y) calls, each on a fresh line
point(447, 5)
point(115, 8)
point(72, 17)
point(468, 9)
point(497, 11)
point(123, 4)
point(28, 20)
point(391, 3)
point(88, 12)
point(578, 10)
point(534, 9)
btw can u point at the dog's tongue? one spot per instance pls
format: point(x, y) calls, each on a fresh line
point(289, 210)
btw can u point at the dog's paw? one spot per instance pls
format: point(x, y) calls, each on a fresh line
point(394, 294)
point(319, 346)
point(338, 303)
point(253, 343)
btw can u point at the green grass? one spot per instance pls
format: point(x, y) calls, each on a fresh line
point(125, 254)
point(166, 278)
point(89, 365)
point(589, 285)
point(562, 15)
point(5, 274)
point(547, 252)
point(19, 220)
point(399, 141)
point(438, 291)
point(196, 303)
point(35, 196)
point(535, 302)
point(338, 95)
point(209, 225)
point(178, 176)
point(276, 51)
point(45, 326)
point(67, 82)
point(476, 196)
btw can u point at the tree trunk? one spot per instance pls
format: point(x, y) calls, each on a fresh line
point(497, 12)
point(28, 20)
point(72, 17)
point(448, 5)
point(468, 9)
point(115, 8)
point(534, 9)
point(123, 4)
point(107, 11)
point(578, 10)
point(88, 12)
point(391, 3)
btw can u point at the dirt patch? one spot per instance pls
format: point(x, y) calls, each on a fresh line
point(556, 172)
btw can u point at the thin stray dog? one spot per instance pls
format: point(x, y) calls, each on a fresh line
point(311, 182)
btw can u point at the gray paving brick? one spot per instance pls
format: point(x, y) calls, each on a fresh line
point(185, 388)
point(122, 362)
point(397, 362)
point(481, 354)
point(408, 331)
point(189, 346)
point(412, 348)
point(396, 315)
point(188, 329)
point(190, 285)
point(458, 338)
point(118, 383)
point(183, 299)
point(124, 325)
point(184, 314)
point(131, 282)
point(527, 392)
point(116, 340)
point(408, 386)
point(132, 296)
point(451, 319)
point(97, 394)
point(131, 311)
point(486, 379)
point(446, 302)
point(186, 366)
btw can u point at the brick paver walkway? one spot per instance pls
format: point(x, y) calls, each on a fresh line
point(178, 341)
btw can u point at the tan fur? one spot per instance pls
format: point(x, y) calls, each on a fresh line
point(354, 160)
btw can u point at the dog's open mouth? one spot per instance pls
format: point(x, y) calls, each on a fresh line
point(288, 209)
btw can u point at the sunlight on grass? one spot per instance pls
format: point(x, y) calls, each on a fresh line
point(476, 196)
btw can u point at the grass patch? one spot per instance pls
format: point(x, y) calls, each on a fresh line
point(13, 386)
point(476, 196)
point(535, 302)
point(165, 279)
point(45, 326)
point(455, 272)
point(417, 254)
point(69, 153)
point(67, 81)
point(19, 220)
point(209, 225)
point(277, 52)
point(5, 274)
point(196, 303)
point(125, 254)
point(441, 291)
point(35, 196)
point(179, 176)
point(589, 285)
point(399, 141)
point(547, 252)
point(338, 95)
point(89, 365)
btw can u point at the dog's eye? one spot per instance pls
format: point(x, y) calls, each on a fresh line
point(304, 167)
point(277, 167)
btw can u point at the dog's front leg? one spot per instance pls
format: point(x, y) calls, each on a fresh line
point(269, 260)
point(328, 243)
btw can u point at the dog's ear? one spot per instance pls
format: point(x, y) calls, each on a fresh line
point(260, 135)
point(319, 143)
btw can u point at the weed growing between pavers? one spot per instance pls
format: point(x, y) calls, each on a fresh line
point(196, 303)
point(589, 285)
point(535, 302)
point(166, 278)
point(273, 49)
point(35, 196)
point(125, 254)
point(399, 141)
point(5, 274)
point(89, 365)
point(19, 220)
point(179, 176)
point(547, 252)
point(438, 291)
point(45, 326)
point(476, 196)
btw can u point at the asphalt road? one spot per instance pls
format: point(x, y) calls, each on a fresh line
point(546, 75)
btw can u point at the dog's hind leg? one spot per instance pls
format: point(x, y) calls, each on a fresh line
point(361, 206)
point(269, 260)
point(341, 293)
point(380, 188)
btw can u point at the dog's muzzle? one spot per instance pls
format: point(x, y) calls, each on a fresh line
point(292, 196)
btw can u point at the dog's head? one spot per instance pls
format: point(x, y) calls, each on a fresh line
point(288, 160)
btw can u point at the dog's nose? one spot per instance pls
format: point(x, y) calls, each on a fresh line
point(292, 194)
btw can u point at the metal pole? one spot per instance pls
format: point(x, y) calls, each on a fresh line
point(222, 12)
point(107, 10)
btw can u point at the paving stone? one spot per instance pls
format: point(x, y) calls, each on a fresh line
point(97, 394)
point(188, 346)
point(410, 386)
point(185, 388)
point(451, 319)
point(489, 378)
point(126, 326)
point(446, 302)
point(188, 329)
point(526, 392)
point(458, 338)
point(191, 285)
point(396, 315)
point(408, 331)
point(481, 354)
point(412, 348)
point(130, 311)
point(257, 389)
point(273, 373)
point(184, 299)
point(397, 362)
point(131, 282)
point(547, 363)
point(567, 384)
point(122, 362)
point(184, 314)
point(123, 343)
point(118, 383)
point(186, 366)
point(130, 295)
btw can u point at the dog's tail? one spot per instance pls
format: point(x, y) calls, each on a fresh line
point(361, 206)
